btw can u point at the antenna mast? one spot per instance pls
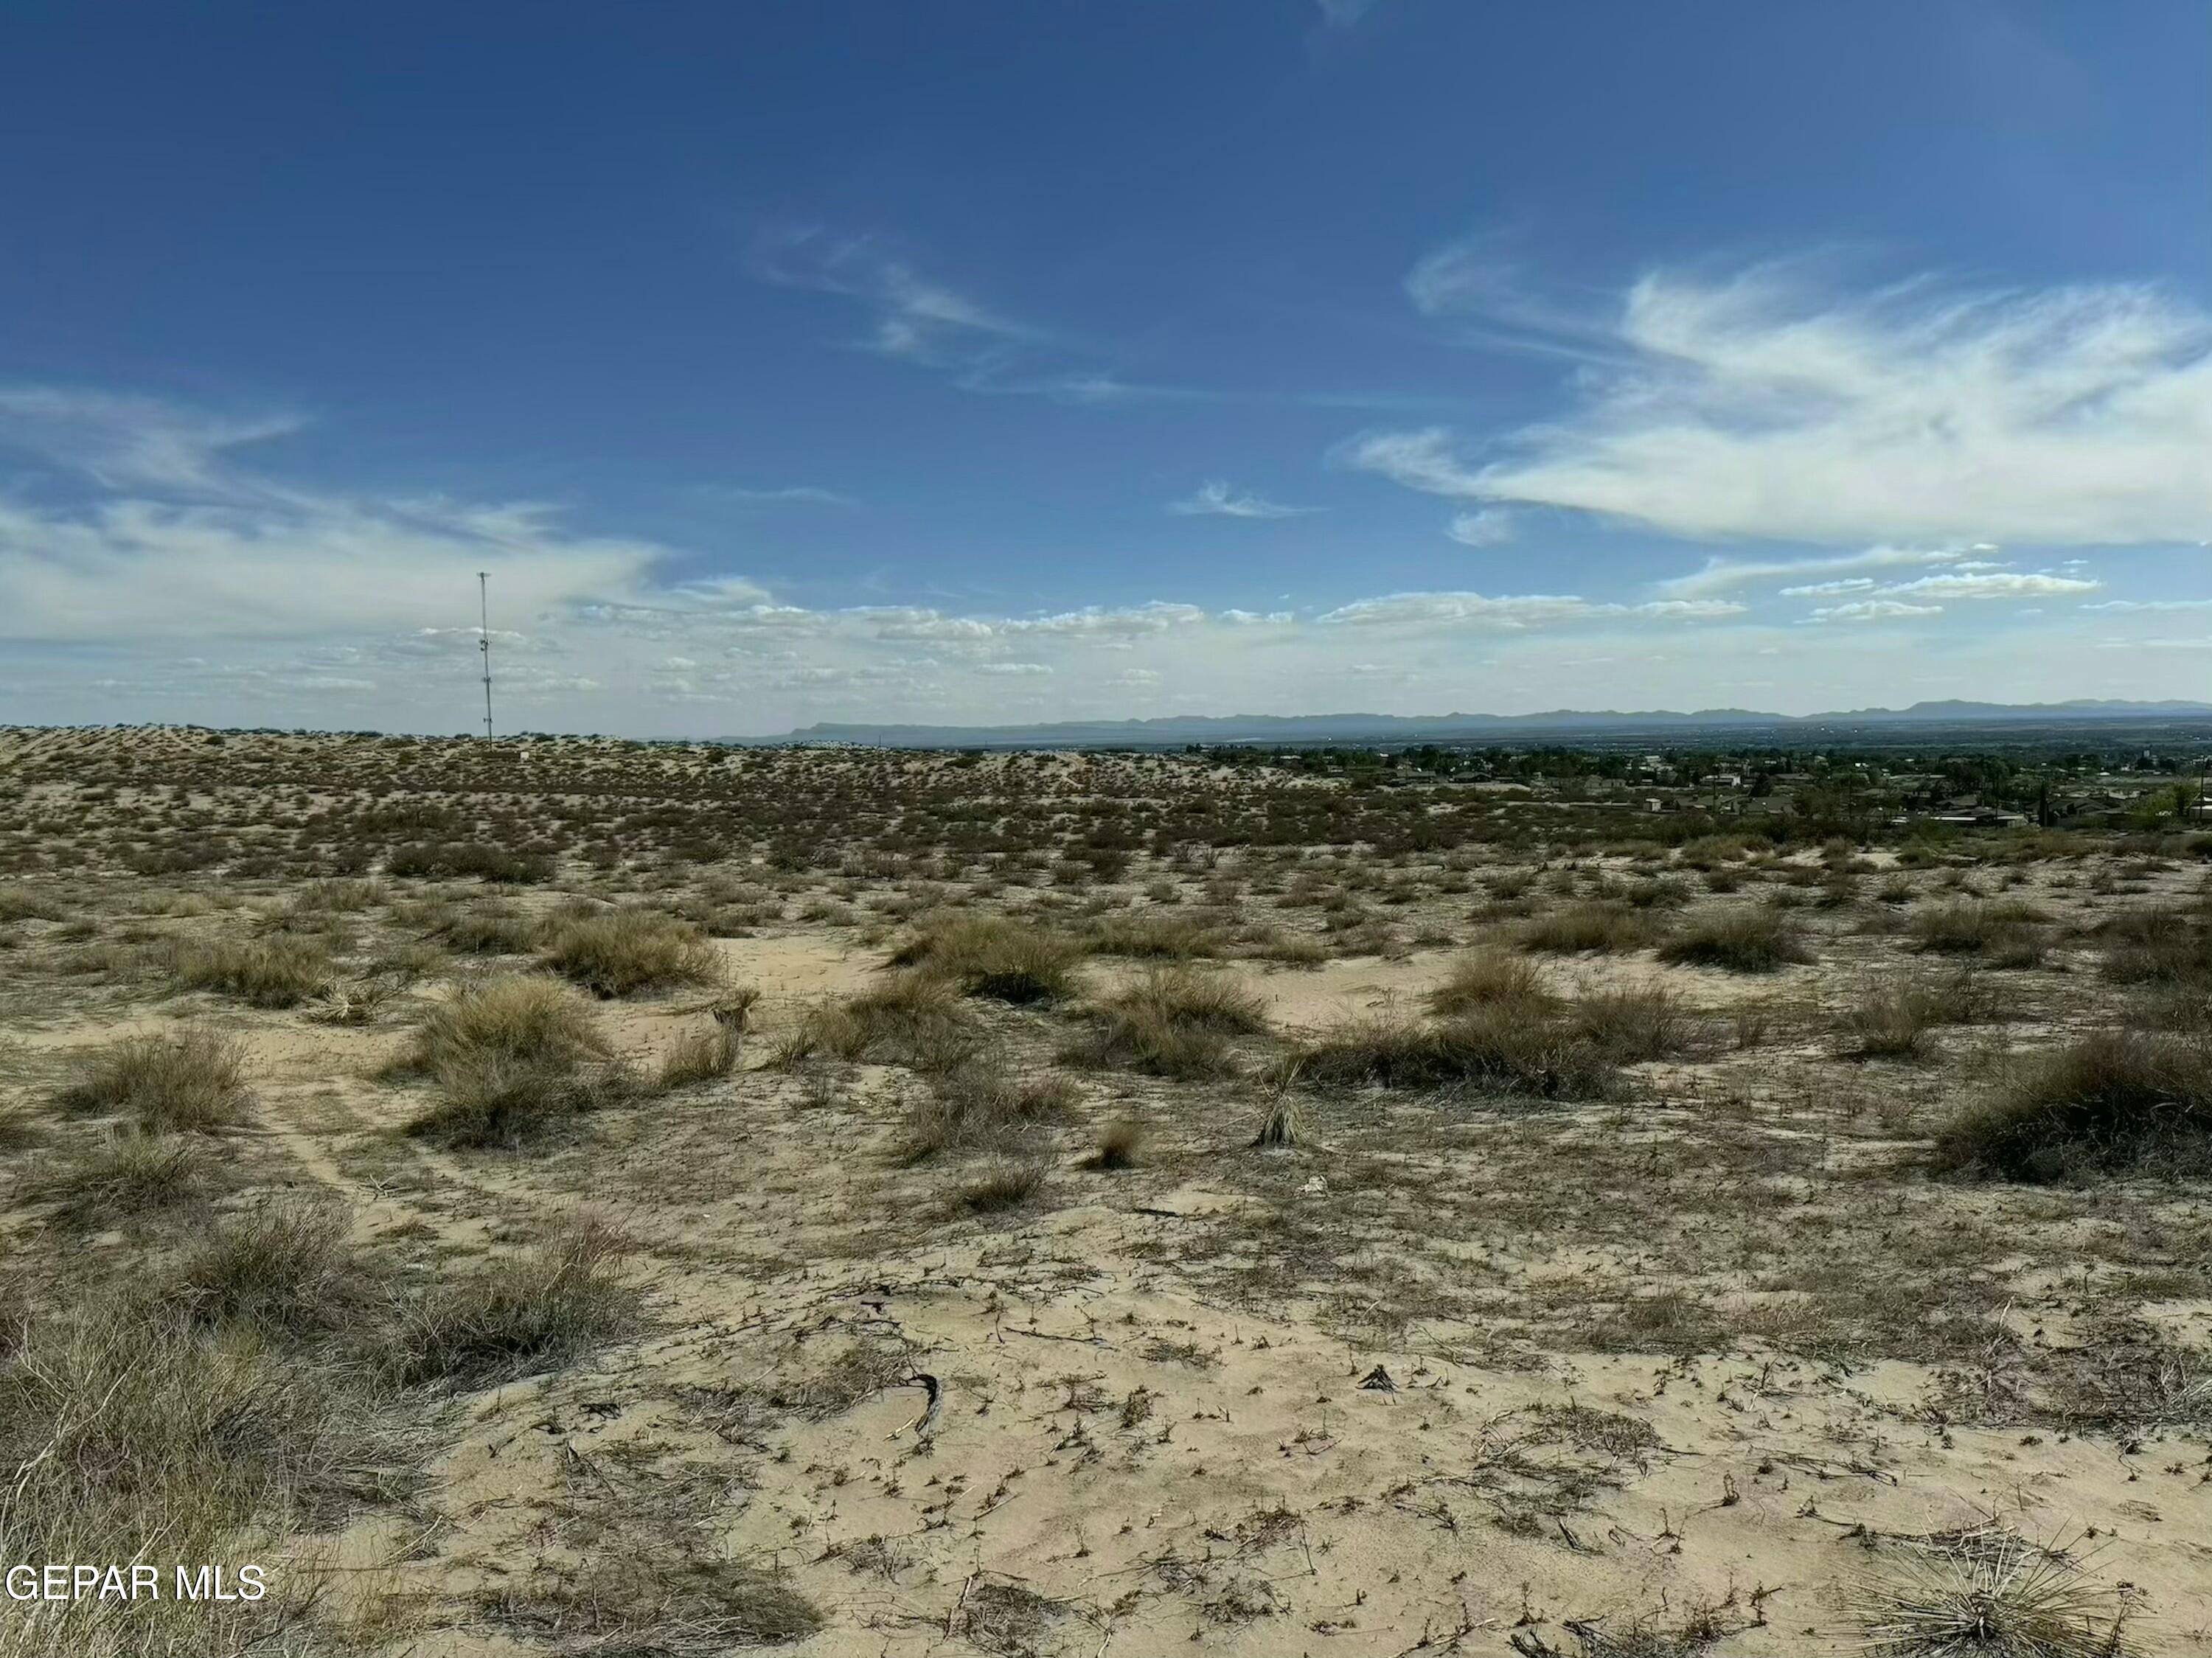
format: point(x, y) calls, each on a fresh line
point(484, 643)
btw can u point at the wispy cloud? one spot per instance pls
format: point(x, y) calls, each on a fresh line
point(790, 494)
point(1874, 610)
point(1215, 497)
point(919, 320)
point(1993, 584)
point(1514, 611)
point(199, 587)
point(1490, 527)
point(1763, 404)
point(123, 441)
point(1727, 574)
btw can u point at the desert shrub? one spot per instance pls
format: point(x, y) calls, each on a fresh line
point(1007, 1184)
point(2004, 933)
point(190, 1082)
point(1999, 1596)
point(980, 1105)
point(910, 1019)
point(283, 1267)
point(278, 971)
point(485, 929)
point(1496, 1047)
point(2172, 945)
point(1892, 1020)
point(1148, 934)
point(1748, 938)
point(1120, 1143)
point(1290, 949)
point(650, 1594)
point(123, 1421)
point(511, 1058)
point(1490, 978)
point(989, 955)
point(624, 951)
point(467, 857)
point(1575, 929)
point(2109, 1100)
point(520, 1017)
point(122, 1176)
point(700, 1055)
point(338, 896)
point(1632, 1023)
point(1174, 1022)
point(21, 904)
point(519, 1314)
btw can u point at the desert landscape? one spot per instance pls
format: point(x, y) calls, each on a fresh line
point(576, 1196)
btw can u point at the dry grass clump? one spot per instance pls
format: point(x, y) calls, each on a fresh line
point(620, 953)
point(1005, 1184)
point(702, 1055)
point(2011, 1600)
point(2111, 1100)
point(282, 970)
point(989, 955)
point(1486, 980)
point(980, 1105)
point(282, 1268)
point(2003, 931)
point(1120, 1143)
point(1894, 1020)
point(1497, 1046)
point(486, 863)
point(1151, 935)
point(479, 929)
point(124, 1176)
point(335, 896)
point(641, 1596)
point(1174, 1022)
point(511, 1058)
point(21, 904)
point(910, 1019)
point(2171, 946)
point(128, 1430)
point(1576, 929)
point(1632, 1023)
point(519, 1314)
point(192, 1083)
point(1748, 938)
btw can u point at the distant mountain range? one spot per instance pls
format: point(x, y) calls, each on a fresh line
point(1176, 730)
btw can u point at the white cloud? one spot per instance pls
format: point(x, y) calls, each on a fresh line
point(1993, 584)
point(1215, 497)
point(1511, 610)
point(1490, 527)
point(1853, 584)
point(1688, 610)
point(1874, 610)
point(1723, 574)
point(1157, 617)
point(921, 320)
point(789, 494)
point(1756, 406)
point(2151, 604)
point(196, 590)
point(126, 441)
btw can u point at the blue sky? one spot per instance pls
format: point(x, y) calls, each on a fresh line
point(970, 362)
